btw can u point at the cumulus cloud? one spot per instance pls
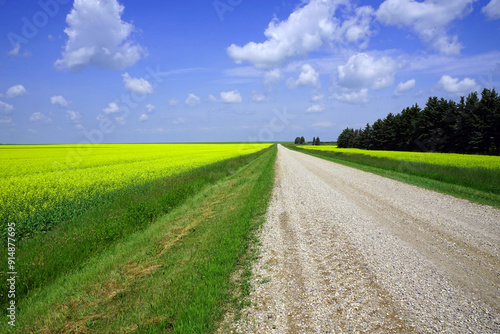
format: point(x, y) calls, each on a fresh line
point(455, 86)
point(231, 97)
point(307, 29)
point(363, 71)
point(308, 77)
point(179, 120)
point(192, 100)
point(39, 117)
point(150, 108)
point(315, 108)
point(98, 37)
point(403, 87)
point(112, 108)
point(59, 100)
point(428, 19)
point(173, 102)
point(137, 86)
point(353, 97)
point(492, 10)
point(15, 91)
point(5, 107)
point(258, 97)
point(271, 78)
point(74, 116)
point(5, 112)
point(143, 117)
point(317, 97)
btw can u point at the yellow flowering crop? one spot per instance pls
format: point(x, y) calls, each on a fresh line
point(446, 159)
point(36, 179)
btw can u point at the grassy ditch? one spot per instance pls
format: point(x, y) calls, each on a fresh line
point(42, 259)
point(177, 275)
point(478, 185)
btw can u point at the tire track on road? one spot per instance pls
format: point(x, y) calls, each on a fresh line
point(348, 251)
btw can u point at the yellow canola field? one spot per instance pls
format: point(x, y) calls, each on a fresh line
point(445, 159)
point(36, 178)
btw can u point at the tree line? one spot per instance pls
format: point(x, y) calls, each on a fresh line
point(471, 126)
point(302, 141)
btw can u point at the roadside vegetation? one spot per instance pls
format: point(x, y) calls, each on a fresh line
point(476, 178)
point(139, 250)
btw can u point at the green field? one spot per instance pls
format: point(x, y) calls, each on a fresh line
point(160, 231)
point(473, 177)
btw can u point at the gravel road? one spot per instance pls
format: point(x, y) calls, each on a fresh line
point(345, 251)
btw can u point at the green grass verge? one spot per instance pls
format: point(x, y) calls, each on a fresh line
point(177, 275)
point(479, 185)
point(47, 256)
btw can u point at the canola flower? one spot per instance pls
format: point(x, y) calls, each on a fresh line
point(444, 159)
point(43, 185)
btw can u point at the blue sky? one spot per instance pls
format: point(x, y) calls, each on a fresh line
point(232, 70)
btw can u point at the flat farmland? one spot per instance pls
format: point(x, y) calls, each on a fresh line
point(44, 185)
point(81, 215)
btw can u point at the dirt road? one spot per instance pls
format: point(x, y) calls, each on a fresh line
point(348, 251)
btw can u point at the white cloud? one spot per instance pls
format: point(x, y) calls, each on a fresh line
point(317, 98)
point(59, 100)
point(353, 97)
point(192, 100)
point(39, 117)
point(137, 86)
point(15, 50)
point(271, 78)
point(231, 97)
point(428, 19)
point(112, 108)
point(173, 102)
point(492, 10)
point(98, 37)
point(212, 98)
point(15, 91)
point(74, 116)
point(403, 87)
point(362, 70)
point(455, 86)
point(308, 77)
point(120, 120)
point(143, 117)
point(150, 108)
point(5, 107)
point(5, 112)
point(307, 29)
point(315, 108)
point(179, 120)
point(257, 97)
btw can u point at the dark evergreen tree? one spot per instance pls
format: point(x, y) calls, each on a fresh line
point(470, 126)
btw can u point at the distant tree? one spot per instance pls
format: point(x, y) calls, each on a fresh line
point(297, 141)
point(314, 141)
point(318, 141)
point(302, 140)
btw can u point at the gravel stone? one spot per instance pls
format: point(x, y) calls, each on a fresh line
point(346, 251)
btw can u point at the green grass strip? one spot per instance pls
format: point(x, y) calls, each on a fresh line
point(175, 276)
point(479, 185)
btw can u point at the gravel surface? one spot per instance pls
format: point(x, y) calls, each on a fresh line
point(345, 251)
